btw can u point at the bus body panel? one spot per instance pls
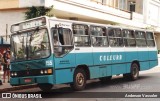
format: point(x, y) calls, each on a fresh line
point(94, 72)
point(64, 68)
point(144, 65)
point(101, 55)
point(31, 70)
point(34, 79)
point(118, 60)
point(83, 56)
point(153, 55)
point(131, 55)
point(153, 63)
point(64, 76)
point(67, 61)
point(101, 61)
point(143, 53)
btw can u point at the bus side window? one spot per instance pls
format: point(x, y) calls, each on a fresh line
point(140, 38)
point(98, 34)
point(150, 39)
point(56, 42)
point(62, 41)
point(129, 38)
point(67, 37)
point(81, 36)
point(115, 37)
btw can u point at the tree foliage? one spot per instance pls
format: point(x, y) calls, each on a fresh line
point(33, 12)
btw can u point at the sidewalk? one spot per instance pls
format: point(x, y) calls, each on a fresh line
point(152, 70)
point(5, 87)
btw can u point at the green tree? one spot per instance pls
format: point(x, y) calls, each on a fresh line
point(33, 12)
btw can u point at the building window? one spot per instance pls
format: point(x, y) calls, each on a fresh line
point(103, 2)
point(122, 4)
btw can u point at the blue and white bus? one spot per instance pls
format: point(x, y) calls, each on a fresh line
point(49, 51)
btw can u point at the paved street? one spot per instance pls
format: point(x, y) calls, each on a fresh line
point(149, 81)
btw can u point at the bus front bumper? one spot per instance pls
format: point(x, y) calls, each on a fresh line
point(32, 80)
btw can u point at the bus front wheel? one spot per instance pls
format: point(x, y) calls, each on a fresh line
point(79, 79)
point(45, 87)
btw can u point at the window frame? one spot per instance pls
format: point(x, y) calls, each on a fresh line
point(147, 39)
point(139, 38)
point(62, 46)
point(115, 37)
point(87, 34)
point(104, 29)
point(129, 38)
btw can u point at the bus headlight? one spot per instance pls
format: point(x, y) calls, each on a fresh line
point(46, 71)
point(41, 72)
point(15, 74)
point(12, 74)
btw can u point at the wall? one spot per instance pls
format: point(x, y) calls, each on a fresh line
point(9, 17)
point(30, 3)
point(152, 13)
point(4, 4)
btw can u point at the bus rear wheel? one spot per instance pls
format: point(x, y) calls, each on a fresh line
point(45, 87)
point(134, 74)
point(79, 80)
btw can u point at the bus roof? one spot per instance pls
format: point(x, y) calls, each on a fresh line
point(82, 22)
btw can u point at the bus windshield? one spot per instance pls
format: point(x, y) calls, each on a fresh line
point(30, 45)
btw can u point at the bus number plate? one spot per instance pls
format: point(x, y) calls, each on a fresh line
point(28, 80)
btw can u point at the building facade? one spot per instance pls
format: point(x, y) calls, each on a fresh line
point(143, 14)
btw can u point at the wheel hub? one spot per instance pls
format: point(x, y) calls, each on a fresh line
point(135, 72)
point(80, 79)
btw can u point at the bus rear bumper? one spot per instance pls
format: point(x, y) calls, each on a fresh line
point(31, 80)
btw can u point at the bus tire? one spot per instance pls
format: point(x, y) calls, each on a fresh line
point(134, 74)
point(79, 80)
point(45, 87)
point(105, 79)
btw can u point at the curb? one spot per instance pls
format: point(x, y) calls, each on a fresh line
point(17, 88)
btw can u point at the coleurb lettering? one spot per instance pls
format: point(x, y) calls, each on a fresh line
point(110, 57)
